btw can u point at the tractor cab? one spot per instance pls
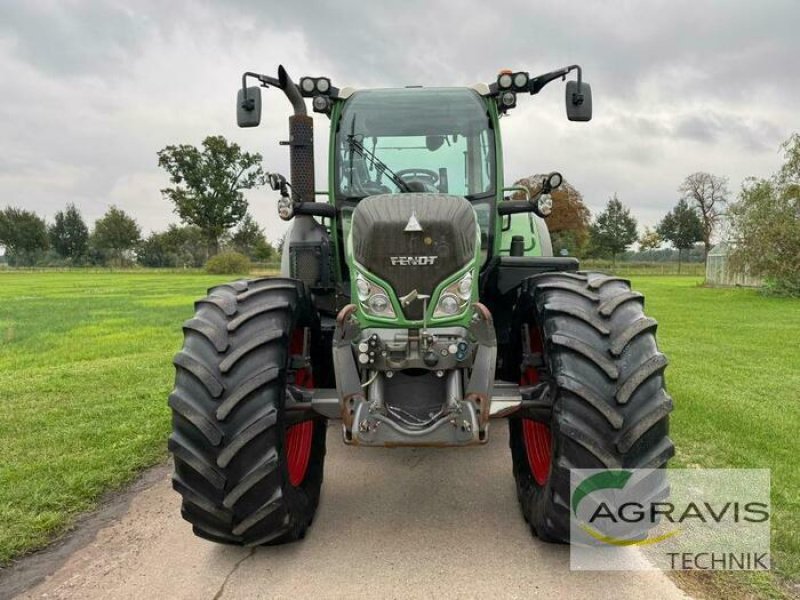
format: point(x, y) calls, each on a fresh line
point(417, 140)
point(436, 140)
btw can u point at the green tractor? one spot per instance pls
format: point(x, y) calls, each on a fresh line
point(416, 304)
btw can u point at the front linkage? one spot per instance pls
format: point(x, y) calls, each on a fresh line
point(454, 363)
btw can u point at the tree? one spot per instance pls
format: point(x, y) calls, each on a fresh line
point(570, 220)
point(209, 183)
point(708, 194)
point(790, 171)
point(765, 224)
point(614, 229)
point(154, 251)
point(681, 227)
point(115, 234)
point(69, 235)
point(189, 245)
point(650, 240)
point(175, 247)
point(249, 239)
point(24, 235)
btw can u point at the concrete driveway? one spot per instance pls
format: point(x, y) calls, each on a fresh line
point(392, 524)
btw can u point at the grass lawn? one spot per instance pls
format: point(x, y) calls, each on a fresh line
point(85, 371)
point(84, 375)
point(735, 376)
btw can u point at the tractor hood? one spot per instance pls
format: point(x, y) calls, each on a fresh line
point(414, 241)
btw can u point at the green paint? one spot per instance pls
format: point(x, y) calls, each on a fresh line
point(599, 481)
point(521, 224)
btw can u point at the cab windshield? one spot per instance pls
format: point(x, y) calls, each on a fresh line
point(414, 140)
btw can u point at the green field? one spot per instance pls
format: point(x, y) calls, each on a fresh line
point(85, 371)
point(84, 374)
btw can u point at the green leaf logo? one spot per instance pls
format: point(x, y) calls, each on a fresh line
point(599, 481)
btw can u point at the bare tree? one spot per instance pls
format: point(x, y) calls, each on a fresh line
point(708, 194)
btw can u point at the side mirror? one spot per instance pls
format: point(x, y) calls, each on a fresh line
point(248, 107)
point(579, 101)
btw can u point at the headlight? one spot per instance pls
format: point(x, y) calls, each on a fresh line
point(448, 304)
point(454, 298)
point(362, 287)
point(373, 298)
point(465, 286)
point(379, 303)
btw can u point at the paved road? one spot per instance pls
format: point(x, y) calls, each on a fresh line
point(392, 524)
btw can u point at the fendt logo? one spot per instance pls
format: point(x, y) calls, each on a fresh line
point(413, 261)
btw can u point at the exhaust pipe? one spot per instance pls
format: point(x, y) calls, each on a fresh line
point(301, 141)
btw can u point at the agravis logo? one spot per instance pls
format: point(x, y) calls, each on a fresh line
point(611, 480)
point(680, 519)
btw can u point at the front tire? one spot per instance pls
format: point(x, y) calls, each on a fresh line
point(590, 340)
point(249, 474)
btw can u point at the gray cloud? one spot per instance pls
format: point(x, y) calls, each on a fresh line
point(91, 90)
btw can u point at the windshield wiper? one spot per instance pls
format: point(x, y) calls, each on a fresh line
point(380, 166)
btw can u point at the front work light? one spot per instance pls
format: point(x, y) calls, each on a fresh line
point(312, 86)
point(321, 104)
point(307, 85)
point(323, 85)
point(554, 180)
point(504, 80)
point(508, 100)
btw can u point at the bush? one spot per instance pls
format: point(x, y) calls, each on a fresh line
point(228, 263)
point(786, 287)
point(765, 226)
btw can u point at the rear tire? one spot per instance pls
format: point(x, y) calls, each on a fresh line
point(247, 475)
point(610, 409)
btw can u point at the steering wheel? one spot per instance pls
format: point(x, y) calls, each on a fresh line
point(426, 176)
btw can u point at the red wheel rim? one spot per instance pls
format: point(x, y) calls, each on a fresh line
point(298, 439)
point(536, 435)
point(538, 449)
point(298, 450)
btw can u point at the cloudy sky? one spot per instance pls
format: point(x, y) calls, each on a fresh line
point(91, 90)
